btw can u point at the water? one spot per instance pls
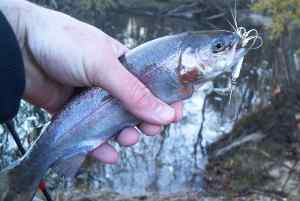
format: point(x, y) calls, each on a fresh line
point(174, 161)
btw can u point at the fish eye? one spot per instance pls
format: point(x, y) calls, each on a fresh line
point(219, 46)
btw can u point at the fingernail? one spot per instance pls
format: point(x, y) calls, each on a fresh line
point(178, 116)
point(164, 114)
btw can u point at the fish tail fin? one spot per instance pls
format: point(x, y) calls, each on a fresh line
point(17, 183)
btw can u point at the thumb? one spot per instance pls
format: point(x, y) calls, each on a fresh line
point(133, 94)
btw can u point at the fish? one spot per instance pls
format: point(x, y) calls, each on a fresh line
point(172, 67)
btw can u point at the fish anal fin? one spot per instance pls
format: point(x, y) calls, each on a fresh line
point(68, 167)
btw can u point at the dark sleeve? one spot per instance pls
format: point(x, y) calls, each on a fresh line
point(12, 76)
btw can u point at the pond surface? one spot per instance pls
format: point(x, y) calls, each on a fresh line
point(173, 162)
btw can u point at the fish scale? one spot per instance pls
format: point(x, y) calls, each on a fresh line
point(171, 67)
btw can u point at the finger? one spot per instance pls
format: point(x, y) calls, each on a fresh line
point(150, 129)
point(118, 48)
point(128, 136)
point(178, 106)
point(133, 94)
point(105, 153)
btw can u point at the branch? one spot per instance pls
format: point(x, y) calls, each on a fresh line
point(254, 137)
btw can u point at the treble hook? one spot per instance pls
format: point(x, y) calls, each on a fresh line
point(251, 35)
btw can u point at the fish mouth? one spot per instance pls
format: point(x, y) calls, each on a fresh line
point(239, 49)
point(233, 67)
point(244, 42)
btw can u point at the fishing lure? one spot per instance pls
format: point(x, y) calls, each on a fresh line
point(248, 38)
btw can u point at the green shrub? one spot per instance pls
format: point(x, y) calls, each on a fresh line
point(285, 14)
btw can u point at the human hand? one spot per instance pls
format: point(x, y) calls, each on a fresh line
point(61, 53)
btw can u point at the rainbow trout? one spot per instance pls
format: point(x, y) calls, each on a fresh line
point(171, 67)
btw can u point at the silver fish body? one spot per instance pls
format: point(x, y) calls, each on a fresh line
point(170, 67)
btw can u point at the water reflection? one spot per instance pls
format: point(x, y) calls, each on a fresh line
point(134, 30)
point(174, 161)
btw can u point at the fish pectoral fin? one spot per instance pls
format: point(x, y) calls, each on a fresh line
point(68, 167)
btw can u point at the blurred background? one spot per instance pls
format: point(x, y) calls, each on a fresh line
point(245, 150)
